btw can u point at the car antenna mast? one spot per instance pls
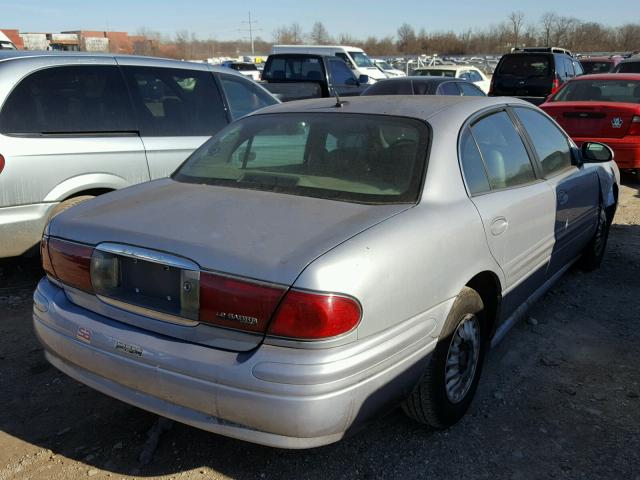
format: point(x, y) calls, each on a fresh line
point(339, 102)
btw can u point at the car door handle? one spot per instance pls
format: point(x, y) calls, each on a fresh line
point(563, 197)
point(499, 226)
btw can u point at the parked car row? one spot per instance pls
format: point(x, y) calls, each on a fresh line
point(313, 263)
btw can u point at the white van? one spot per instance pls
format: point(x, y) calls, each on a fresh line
point(355, 57)
point(5, 43)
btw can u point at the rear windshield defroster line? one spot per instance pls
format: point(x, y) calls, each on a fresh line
point(362, 158)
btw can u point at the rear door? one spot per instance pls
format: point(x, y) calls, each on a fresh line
point(178, 110)
point(517, 208)
point(575, 188)
point(66, 128)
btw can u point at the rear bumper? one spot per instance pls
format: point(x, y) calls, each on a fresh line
point(276, 396)
point(21, 227)
point(626, 150)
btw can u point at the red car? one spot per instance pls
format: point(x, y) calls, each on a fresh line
point(603, 108)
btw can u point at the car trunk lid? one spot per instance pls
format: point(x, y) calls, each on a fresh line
point(245, 247)
point(595, 119)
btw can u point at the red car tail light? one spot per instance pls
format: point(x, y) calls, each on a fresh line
point(555, 86)
point(237, 304)
point(312, 316)
point(634, 128)
point(68, 262)
point(2, 163)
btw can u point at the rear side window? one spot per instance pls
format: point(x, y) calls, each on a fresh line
point(525, 65)
point(74, 99)
point(176, 102)
point(243, 96)
point(472, 165)
point(448, 88)
point(503, 151)
point(390, 87)
point(548, 141)
point(630, 67)
point(470, 90)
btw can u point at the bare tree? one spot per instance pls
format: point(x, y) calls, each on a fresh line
point(289, 35)
point(516, 19)
point(407, 39)
point(319, 34)
point(547, 21)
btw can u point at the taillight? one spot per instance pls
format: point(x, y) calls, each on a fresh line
point(68, 262)
point(634, 128)
point(238, 304)
point(44, 255)
point(312, 316)
point(1, 163)
point(555, 86)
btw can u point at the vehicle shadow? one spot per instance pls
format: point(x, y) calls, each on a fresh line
point(67, 420)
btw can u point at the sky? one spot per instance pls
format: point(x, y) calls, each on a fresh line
point(222, 19)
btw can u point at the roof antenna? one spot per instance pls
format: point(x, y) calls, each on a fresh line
point(339, 102)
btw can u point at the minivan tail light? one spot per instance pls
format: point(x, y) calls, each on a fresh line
point(634, 128)
point(238, 304)
point(313, 316)
point(69, 262)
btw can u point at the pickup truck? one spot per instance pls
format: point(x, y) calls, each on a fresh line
point(296, 76)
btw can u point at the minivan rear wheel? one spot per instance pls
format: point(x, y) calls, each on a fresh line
point(70, 202)
point(448, 385)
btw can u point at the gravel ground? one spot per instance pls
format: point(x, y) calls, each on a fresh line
point(558, 399)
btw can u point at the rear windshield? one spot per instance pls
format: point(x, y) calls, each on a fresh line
point(349, 157)
point(603, 66)
point(629, 67)
point(626, 91)
point(436, 73)
point(244, 67)
point(298, 68)
point(525, 65)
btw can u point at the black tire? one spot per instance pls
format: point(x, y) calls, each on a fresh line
point(593, 253)
point(66, 204)
point(429, 403)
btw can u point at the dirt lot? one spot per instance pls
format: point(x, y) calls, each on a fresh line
point(558, 399)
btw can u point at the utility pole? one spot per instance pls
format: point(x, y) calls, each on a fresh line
point(251, 29)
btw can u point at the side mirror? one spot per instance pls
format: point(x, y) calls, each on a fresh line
point(362, 79)
point(596, 152)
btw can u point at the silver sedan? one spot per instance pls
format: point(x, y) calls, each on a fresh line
point(319, 262)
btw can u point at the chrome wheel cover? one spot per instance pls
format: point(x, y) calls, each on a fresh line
point(462, 358)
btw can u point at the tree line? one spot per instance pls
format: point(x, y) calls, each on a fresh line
point(515, 31)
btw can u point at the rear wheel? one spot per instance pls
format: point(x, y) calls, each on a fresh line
point(446, 389)
point(594, 251)
point(70, 202)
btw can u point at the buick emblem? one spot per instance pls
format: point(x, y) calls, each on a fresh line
point(187, 286)
point(616, 122)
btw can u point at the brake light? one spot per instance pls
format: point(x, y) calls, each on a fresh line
point(312, 316)
point(44, 255)
point(68, 262)
point(2, 162)
point(555, 86)
point(634, 129)
point(237, 304)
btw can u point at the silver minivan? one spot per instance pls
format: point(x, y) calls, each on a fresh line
point(73, 126)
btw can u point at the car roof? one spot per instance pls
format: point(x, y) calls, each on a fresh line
point(596, 59)
point(7, 55)
point(446, 67)
point(422, 79)
point(609, 76)
point(422, 107)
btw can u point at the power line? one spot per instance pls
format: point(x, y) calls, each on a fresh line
point(250, 29)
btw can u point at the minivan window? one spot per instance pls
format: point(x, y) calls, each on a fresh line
point(549, 142)
point(243, 95)
point(349, 157)
point(176, 102)
point(69, 99)
point(503, 151)
point(525, 65)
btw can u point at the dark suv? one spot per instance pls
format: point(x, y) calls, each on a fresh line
point(533, 73)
